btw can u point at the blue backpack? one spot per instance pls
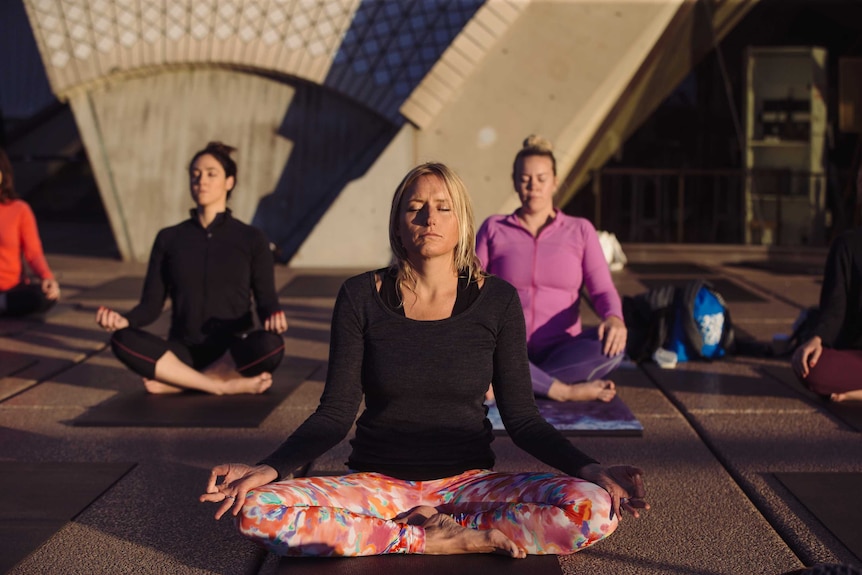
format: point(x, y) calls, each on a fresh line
point(702, 327)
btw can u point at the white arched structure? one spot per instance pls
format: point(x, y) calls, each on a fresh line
point(331, 101)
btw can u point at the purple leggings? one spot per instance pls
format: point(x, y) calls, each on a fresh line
point(837, 371)
point(573, 360)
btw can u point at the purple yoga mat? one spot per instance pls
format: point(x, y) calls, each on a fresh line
point(582, 417)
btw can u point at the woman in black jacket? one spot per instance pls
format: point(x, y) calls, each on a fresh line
point(210, 266)
point(830, 362)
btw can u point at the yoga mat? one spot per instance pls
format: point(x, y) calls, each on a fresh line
point(138, 408)
point(834, 498)
point(421, 565)
point(581, 418)
point(729, 290)
point(38, 499)
point(850, 412)
point(11, 362)
point(10, 326)
point(313, 286)
point(668, 268)
point(126, 287)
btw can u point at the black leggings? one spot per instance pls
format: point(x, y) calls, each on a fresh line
point(254, 353)
point(25, 299)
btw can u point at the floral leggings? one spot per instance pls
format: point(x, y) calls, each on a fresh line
point(353, 514)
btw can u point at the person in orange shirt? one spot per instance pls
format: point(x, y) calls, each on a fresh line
point(19, 236)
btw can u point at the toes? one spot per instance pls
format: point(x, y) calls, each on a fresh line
point(503, 545)
point(516, 551)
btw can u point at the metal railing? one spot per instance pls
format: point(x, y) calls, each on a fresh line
point(764, 206)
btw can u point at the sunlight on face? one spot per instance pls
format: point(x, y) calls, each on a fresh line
point(536, 183)
point(208, 183)
point(428, 223)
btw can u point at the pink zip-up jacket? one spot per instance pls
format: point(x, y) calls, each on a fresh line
point(548, 272)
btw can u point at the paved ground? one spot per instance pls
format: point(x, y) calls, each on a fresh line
point(714, 433)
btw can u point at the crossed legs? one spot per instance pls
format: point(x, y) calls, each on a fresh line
point(574, 370)
point(24, 299)
point(171, 375)
point(836, 375)
point(242, 366)
point(475, 512)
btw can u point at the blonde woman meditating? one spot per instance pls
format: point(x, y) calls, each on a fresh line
point(420, 341)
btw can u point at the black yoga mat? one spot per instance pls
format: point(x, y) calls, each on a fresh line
point(850, 412)
point(126, 287)
point(729, 290)
point(834, 498)
point(38, 499)
point(668, 268)
point(582, 418)
point(421, 565)
point(138, 408)
point(11, 362)
point(313, 286)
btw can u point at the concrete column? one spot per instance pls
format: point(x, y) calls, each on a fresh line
point(141, 133)
point(556, 72)
point(355, 230)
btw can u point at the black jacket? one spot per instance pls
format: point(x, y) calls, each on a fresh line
point(210, 275)
point(840, 322)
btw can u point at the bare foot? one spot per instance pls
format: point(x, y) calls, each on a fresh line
point(443, 536)
point(231, 382)
point(254, 385)
point(595, 390)
point(157, 387)
point(416, 516)
point(855, 395)
point(222, 369)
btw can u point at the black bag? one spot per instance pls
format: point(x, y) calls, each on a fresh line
point(668, 316)
point(648, 317)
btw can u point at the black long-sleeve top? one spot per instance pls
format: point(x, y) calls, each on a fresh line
point(424, 384)
point(840, 322)
point(210, 275)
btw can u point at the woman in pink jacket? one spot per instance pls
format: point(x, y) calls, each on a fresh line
point(548, 256)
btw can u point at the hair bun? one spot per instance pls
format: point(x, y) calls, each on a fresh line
point(221, 147)
point(536, 142)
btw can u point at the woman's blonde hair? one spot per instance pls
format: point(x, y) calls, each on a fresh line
point(535, 145)
point(465, 260)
